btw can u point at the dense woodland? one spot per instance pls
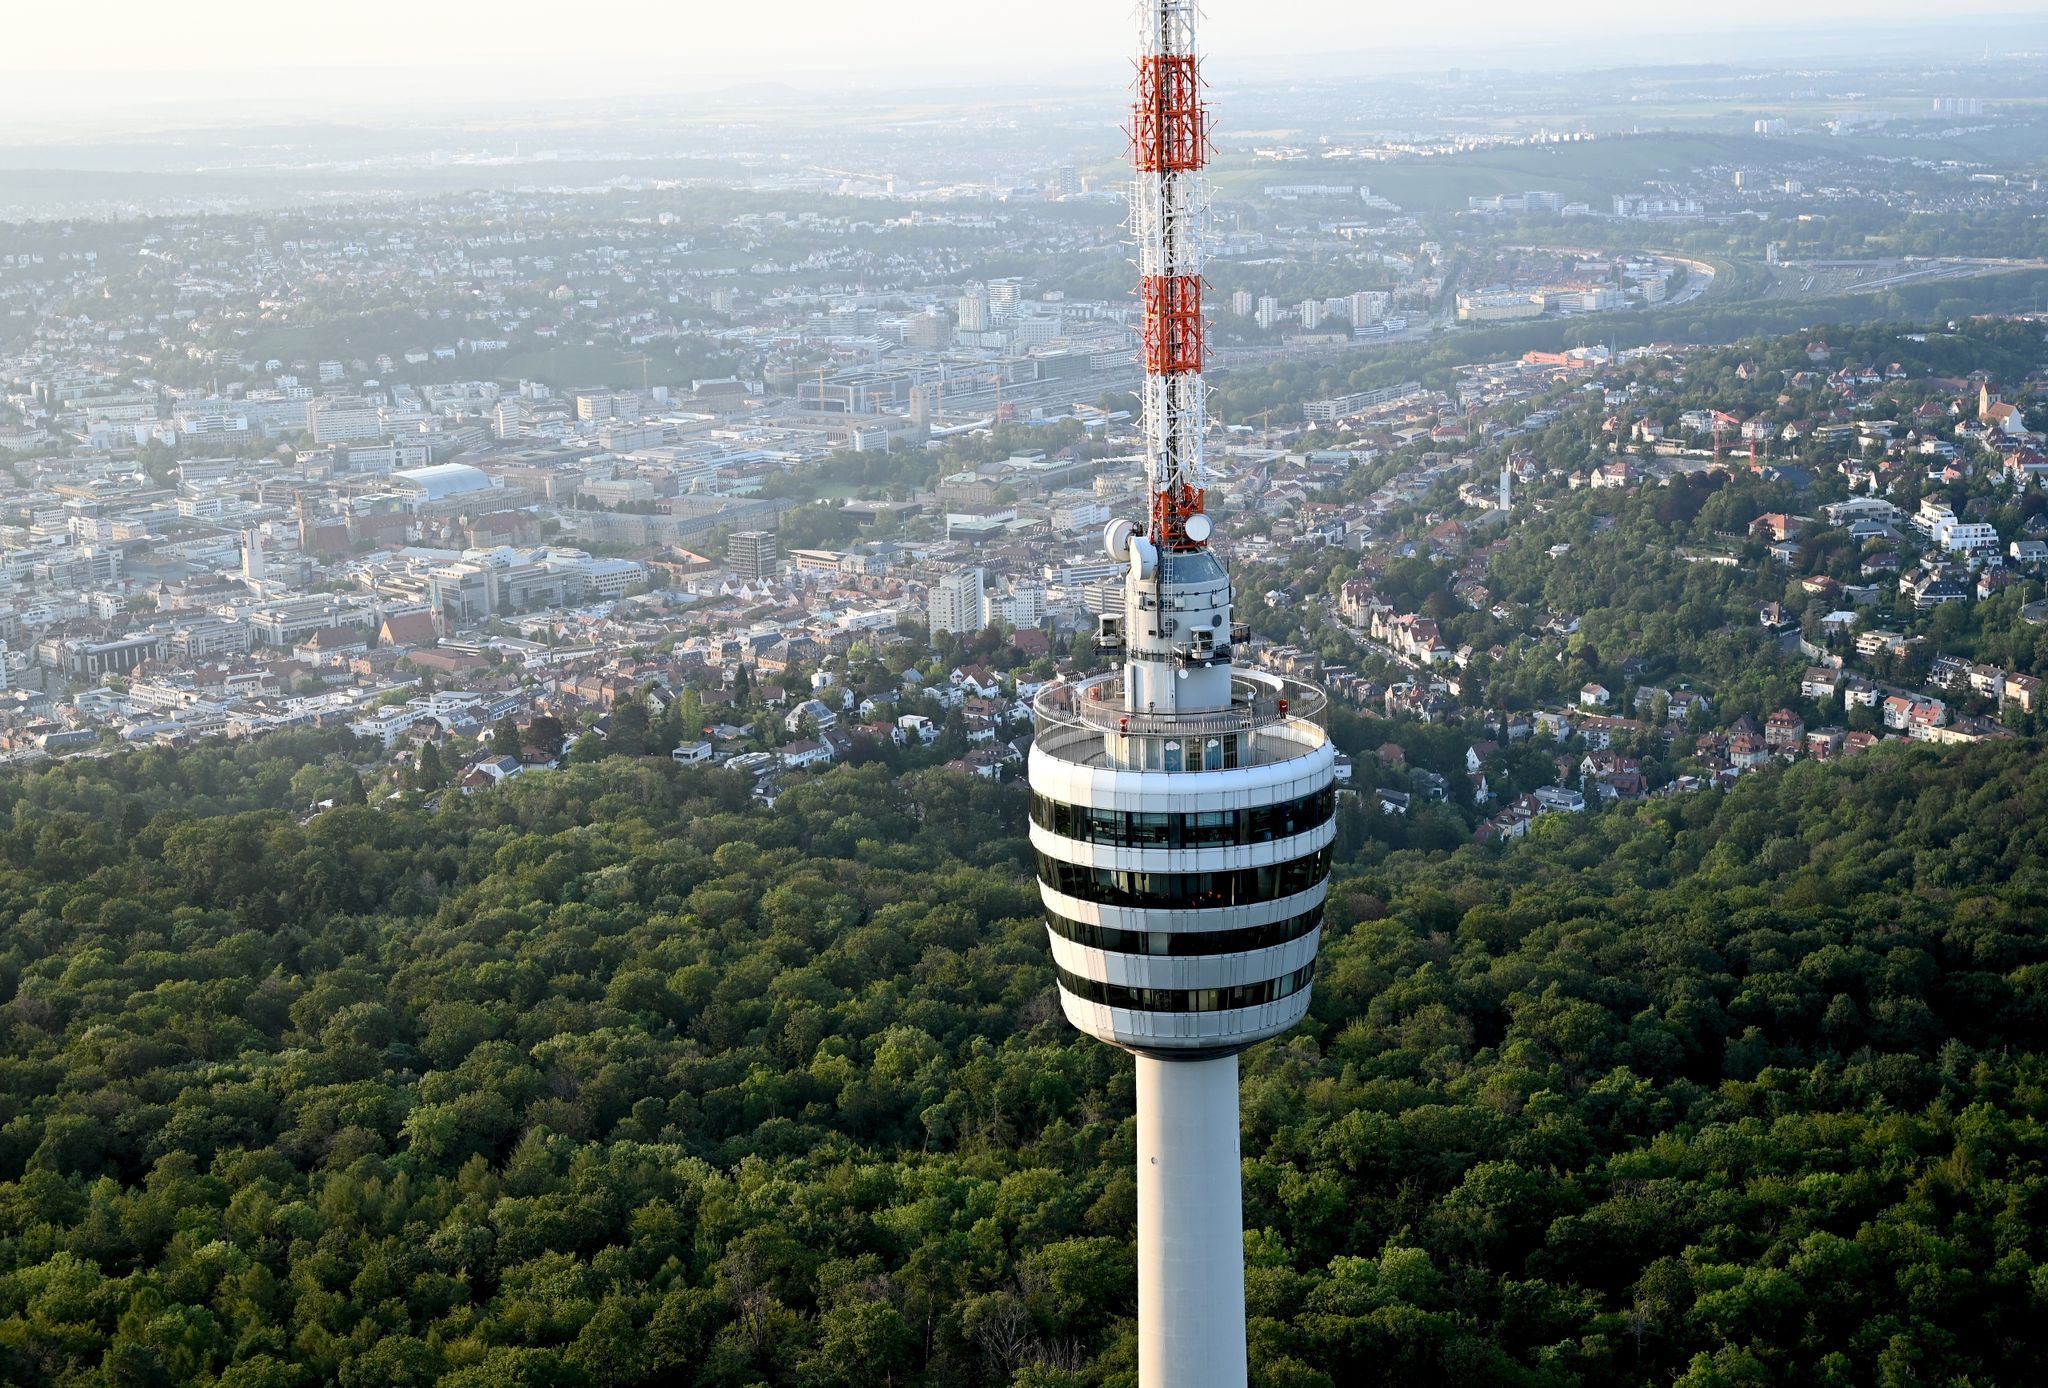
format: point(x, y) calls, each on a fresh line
point(613, 1077)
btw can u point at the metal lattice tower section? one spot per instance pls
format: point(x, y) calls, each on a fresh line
point(1182, 809)
point(1169, 149)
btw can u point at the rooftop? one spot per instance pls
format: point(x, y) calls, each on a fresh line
point(444, 480)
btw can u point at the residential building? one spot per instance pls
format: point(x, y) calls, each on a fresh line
point(957, 602)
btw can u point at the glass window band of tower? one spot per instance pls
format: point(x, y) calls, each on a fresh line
point(1238, 828)
point(1186, 999)
point(1222, 752)
point(1184, 890)
point(1183, 944)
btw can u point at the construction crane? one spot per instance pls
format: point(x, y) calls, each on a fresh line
point(643, 361)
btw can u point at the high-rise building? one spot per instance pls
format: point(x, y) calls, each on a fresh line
point(512, 418)
point(1003, 298)
point(1021, 604)
point(957, 602)
point(974, 311)
point(926, 331)
point(1369, 306)
point(1311, 313)
point(1182, 809)
point(1268, 311)
point(752, 555)
point(1241, 303)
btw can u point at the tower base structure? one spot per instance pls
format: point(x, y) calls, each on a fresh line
point(1191, 1327)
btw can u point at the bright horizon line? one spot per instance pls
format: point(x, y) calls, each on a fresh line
point(1092, 36)
point(144, 75)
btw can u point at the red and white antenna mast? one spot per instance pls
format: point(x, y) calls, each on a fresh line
point(1169, 149)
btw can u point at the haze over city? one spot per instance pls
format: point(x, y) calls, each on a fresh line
point(241, 54)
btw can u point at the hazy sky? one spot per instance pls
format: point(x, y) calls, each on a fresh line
point(72, 70)
point(725, 37)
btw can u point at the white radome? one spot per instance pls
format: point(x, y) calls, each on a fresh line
point(1116, 538)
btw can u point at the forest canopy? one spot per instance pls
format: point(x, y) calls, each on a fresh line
point(615, 1076)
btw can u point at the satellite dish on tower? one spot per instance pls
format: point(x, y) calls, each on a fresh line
point(1198, 528)
point(1116, 538)
point(1144, 556)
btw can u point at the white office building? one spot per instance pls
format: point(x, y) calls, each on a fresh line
point(341, 418)
point(957, 602)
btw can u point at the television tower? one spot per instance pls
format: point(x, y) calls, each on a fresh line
point(1182, 809)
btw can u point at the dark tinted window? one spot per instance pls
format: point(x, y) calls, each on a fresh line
point(1201, 829)
point(1184, 890)
point(1186, 999)
point(1183, 943)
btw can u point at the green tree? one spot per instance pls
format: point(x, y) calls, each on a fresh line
point(505, 738)
point(428, 771)
point(546, 735)
point(632, 730)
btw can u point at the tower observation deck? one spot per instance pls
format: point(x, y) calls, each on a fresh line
point(1182, 809)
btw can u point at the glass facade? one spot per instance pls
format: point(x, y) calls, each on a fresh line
point(1184, 890)
point(1198, 829)
point(1184, 944)
point(1187, 999)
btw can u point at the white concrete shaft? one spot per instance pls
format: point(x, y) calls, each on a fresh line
point(1190, 1226)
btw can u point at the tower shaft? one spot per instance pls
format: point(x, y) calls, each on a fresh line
point(1191, 1328)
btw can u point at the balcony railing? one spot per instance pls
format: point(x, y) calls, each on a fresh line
point(1257, 701)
